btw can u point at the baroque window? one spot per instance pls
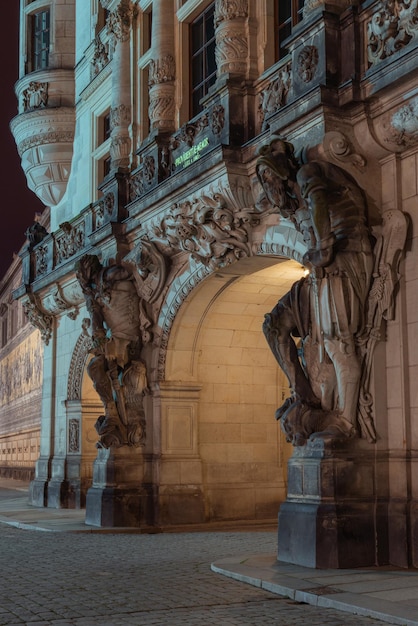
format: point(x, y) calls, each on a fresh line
point(40, 40)
point(288, 14)
point(203, 63)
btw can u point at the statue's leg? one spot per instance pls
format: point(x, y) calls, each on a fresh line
point(348, 371)
point(277, 328)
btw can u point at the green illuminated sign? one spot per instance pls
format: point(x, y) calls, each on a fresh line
point(192, 155)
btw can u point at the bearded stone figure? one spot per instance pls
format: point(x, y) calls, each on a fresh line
point(117, 372)
point(315, 331)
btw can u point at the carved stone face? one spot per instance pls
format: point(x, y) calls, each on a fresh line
point(274, 186)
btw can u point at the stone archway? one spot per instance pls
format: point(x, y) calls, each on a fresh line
point(223, 456)
point(83, 407)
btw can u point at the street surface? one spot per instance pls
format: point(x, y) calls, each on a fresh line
point(95, 579)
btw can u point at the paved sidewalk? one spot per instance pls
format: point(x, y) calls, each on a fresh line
point(387, 594)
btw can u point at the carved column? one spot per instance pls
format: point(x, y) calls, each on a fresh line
point(162, 67)
point(231, 37)
point(119, 28)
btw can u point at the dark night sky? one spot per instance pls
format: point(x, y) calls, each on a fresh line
point(18, 203)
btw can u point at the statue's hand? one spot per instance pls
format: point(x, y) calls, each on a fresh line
point(319, 258)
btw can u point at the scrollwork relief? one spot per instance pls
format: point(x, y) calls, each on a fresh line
point(391, 28)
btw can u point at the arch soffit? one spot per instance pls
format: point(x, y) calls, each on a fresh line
point(194, 293)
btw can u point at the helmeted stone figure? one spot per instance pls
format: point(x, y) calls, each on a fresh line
point(326, 309)
point(118, 373)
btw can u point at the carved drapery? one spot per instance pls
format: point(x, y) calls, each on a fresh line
point(231, 31)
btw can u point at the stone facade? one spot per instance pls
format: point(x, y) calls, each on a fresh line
point(169, 205)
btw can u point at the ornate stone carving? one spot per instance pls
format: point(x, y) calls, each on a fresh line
point(340, 149)
point(35, 96)
point(102, 211)
point(231, 50)
point(70, 242)
point(161, 109)
point(328, 371)
point(41, 260)
point(275, 95)
point(120, 116)
point(404, 125)
point(206, 229)
point(189, 131)
point(73, 435)
point(117, 370)
point(100, 57)
point(78, 362)
point(162, 70)
point(119, 21)
point(149, 268)
point(230, 10)
point(184, 288)
point(388, 250)
point(47, 171)
point(217, 119)
point(35, 234)
point(391, 28)
point(38, 318)
point(307, 63)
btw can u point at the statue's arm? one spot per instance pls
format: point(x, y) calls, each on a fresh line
point(314, 190)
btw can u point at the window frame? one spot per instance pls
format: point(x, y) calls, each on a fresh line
point(208, 77)
point(295, 17)
point(36, 55)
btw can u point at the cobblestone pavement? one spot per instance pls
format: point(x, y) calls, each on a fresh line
point(62, 579)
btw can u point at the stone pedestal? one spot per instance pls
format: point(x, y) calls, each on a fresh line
point(119, 496)
point(329, 519)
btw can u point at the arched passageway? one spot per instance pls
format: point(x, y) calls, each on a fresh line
point(220, 442)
